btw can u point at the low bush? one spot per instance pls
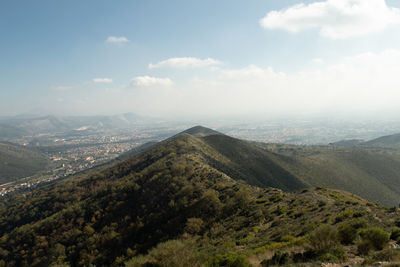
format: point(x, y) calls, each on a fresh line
point(344, 215)
point(324, 238)
point(335, 254)
point(228, 260)
point(395, 235)
point(173, 253)
point(278, 258)
point(364, 247)
point(386, 255)
point(372, 238)
point(348, 231)
point(377, 237)
point(194, 225)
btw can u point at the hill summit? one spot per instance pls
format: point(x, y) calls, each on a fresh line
point(200, 131)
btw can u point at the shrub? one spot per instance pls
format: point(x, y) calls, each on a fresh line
point(278, 259)
point(364, 247)
point(386, 255)
point(228, 260)
point(327, 257)
point(372, 238)
point(359, 214)
point(335, 254)
point(194, 225)
point(347, 234)
point(344, 215)
point(173, 253)
point(348, 231)
point(324, 238)
point(395, 234)
point(307, 256)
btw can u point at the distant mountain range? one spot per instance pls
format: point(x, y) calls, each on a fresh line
point(23, 126)
point(201, 196)
point(388, 141)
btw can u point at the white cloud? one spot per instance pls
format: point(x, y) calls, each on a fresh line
point(182, 62)
point(147, 81)
point(363, 82)
point(336, 19)
point(62, 88)
point(102, 80)
point(367, 82)
point(114, 39)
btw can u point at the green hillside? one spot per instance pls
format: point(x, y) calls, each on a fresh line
point(373, 175)
point(251, 164)
point(389, 141)
point(169, 206)
point(17, 162)
point(384, 142)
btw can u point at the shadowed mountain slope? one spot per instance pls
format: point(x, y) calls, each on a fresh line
point(251, 164)
point(18, 162)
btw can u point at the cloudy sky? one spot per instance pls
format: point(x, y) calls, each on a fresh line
point(199, 58)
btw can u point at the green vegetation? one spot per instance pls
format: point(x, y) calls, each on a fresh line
point(173, 253)
point(256, 166)
point(228, 260)
point(18, 162)
point(373, 174)
point(348, 231)
point(372, 238)
point(183, 202)
point(389, 141)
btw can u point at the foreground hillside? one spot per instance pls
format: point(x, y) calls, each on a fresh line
point(17, 162)
point(190, 194)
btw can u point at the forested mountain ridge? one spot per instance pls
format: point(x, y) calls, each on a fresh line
point(179, 189)
point(374, 175)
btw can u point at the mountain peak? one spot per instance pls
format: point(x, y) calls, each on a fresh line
point(200, 131)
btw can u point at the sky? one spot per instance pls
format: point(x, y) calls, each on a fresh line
point(181, 58)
